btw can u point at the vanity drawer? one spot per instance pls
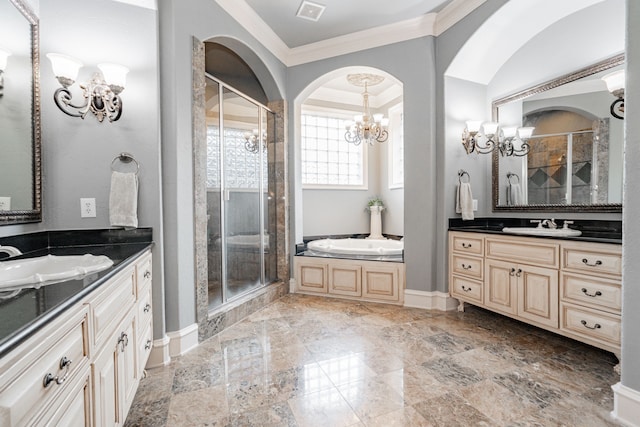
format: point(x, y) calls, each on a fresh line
point(23, 393)
point(528, 251)
point(468, 243)
point(145, 306)
point(595, 292)
point(468, 266)
point(593, 258)
point(590, 324)
point(466, 289)
point(112, 305)
point(145, 343)
point(143, 272)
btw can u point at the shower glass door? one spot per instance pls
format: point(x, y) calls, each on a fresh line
point(242, 153)
point(240, 196)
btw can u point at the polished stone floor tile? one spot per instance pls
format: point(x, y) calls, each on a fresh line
point(313, 361)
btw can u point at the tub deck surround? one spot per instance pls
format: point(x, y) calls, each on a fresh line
point(25, 313)
point(302, 249)
point(601, 231)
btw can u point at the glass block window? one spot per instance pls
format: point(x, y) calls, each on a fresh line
point(327, 159)
point(242, 168)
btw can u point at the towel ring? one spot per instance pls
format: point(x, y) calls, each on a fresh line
point(462, 173)
point(511, 175)
point(125, 158)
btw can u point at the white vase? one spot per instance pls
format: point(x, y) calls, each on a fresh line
point(376, 222)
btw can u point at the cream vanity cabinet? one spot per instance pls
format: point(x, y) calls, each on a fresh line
point(353, 279)
point(569, 287)
point(84, 367)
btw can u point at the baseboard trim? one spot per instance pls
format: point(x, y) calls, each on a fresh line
point(159, 355)
point(432, 300)
point(183, 340)
point(626, 405)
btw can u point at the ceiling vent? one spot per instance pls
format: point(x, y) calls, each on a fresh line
point(310, 11)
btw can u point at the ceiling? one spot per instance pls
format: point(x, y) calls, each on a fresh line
point(340, 17)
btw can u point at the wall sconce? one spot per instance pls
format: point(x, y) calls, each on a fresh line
point(510, 134)
point(4, 56)
point(252, 141)
point(101, 94)
point(615, 85)
point(475, 132)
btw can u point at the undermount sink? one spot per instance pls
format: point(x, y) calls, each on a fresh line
point(48, 269)
point(539, 231)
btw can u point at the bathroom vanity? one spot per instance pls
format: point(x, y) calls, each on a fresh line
point(571, 286)
point(73, 353)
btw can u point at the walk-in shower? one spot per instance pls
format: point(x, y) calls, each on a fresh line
point(240, 196)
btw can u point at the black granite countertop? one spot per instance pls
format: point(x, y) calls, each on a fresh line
point(599, 231)
point(25, 313)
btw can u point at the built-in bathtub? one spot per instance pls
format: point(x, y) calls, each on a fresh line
point(373, 247)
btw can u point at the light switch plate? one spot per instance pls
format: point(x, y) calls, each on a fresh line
point(88, 207)
point(5, 203)
point(475, 204)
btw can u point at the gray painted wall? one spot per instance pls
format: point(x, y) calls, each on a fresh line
point(411, 62)
point(180, 20)
point(631, 233)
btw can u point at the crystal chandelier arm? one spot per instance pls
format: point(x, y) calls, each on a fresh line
point(352, 137)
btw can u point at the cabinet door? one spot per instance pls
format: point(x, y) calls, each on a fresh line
point(345, 280)
point(105, 393)
point(381, 283)
point(311, 276)
point(500, 286)
point(127, 367)
point(538, 294)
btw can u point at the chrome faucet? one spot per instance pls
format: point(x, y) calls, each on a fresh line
point(550, 223)
point(10, 250)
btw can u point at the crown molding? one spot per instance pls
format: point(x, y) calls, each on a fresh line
point(354, 42)
point(253, 23)
point(455, 12)
point(430, 24)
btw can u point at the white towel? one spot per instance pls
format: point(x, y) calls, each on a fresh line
point(464, 200)
point(123, 200)
point(515, 195)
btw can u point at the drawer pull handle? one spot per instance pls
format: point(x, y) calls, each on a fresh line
point(464, 288)
point(585, 261)
point(519, 273)
point(512, 272)
point(596, 326)
point(50, 379)
point(147, 274)
point(147, 346)
point(466, 245)
point(123, 341)
point(586, 292)
point(467, 267)
point(147, 308)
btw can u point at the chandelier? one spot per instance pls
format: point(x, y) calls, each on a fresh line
point(366, 127)
point(253, 143)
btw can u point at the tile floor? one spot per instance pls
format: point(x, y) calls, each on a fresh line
point(312, 361)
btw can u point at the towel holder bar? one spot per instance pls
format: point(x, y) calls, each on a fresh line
point(462, 173)
point(125, 158)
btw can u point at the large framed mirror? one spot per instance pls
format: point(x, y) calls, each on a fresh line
point(576, 149)
point(20, 172)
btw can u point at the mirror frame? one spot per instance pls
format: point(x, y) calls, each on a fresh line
point(35, 214)
point(567, 78)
